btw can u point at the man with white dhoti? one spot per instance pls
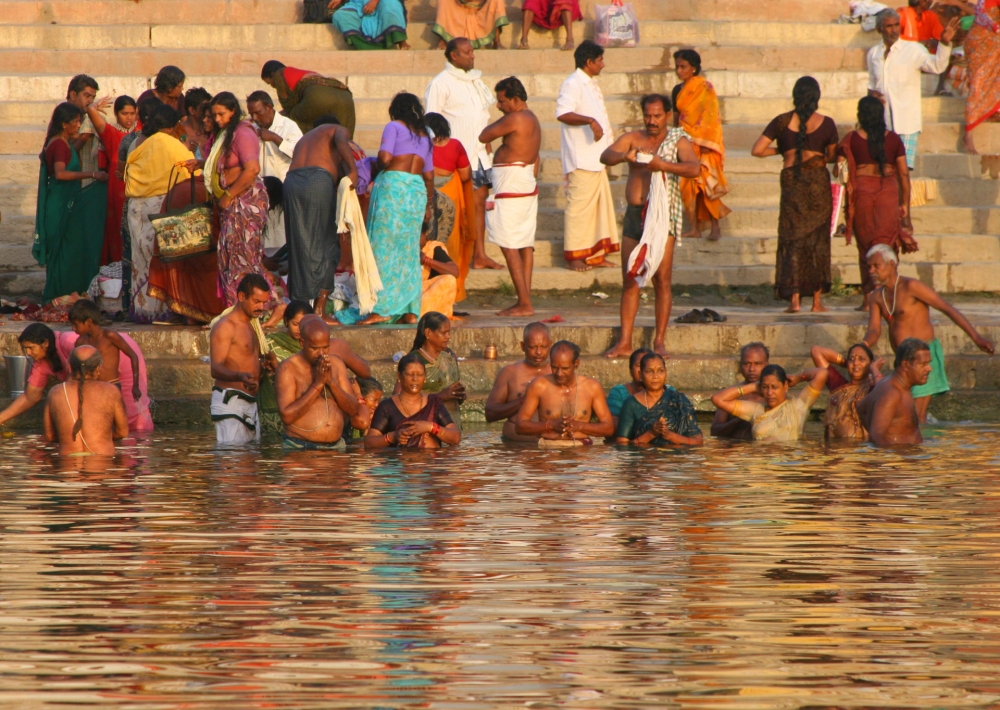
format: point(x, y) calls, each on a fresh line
point(591, 232)
point(512, 208)
point(657, 158)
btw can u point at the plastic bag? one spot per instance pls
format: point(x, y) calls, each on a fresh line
point(616, 25)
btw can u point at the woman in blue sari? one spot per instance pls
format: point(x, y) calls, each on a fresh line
point(402, 199)
point(658, 415)
point(371, 24)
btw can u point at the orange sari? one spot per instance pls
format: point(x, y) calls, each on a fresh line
point(698, 110)
point(982, 50)
point(461, 243)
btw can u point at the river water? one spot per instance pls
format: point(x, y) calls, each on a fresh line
point(733, 575)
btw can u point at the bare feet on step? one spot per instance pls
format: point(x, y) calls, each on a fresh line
point(660, 348)
point(373, 319)
point(517, 310)
point(620, 349)
point(484, 262)
point(578, 265)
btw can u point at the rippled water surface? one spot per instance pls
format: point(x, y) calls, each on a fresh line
point(729, 576)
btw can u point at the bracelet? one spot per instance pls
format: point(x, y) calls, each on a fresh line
point(435, 429)
point(387, 442)
point(739, 390)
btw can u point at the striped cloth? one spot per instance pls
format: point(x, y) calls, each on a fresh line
point(910, 143)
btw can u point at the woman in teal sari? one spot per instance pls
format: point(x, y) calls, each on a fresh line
point(440, 363)
point(658, 415)
point(283, 345)
point(402, 199)
point(69, 218)
point(371, 24)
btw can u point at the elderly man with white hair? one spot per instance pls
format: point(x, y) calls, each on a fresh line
point(905, 305)
point(894, 67)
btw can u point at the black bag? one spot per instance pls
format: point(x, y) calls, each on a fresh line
point(316, 12)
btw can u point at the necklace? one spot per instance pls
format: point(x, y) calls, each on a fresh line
point(891, 311)
point(430, 359)
point(403, 409)
point(645, 400)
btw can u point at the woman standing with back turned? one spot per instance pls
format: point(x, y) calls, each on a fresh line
point(808, 141)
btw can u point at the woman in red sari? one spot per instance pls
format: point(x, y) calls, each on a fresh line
point(878, 188)
point(111, 138)
point(982, 51)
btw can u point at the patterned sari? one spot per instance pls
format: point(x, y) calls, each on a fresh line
point(982, 50)
point(841, 418)
point(673, 407)
point(395, 217)
point(803, 259)
point(305, 96)
point(441, 374)
point(698, 109)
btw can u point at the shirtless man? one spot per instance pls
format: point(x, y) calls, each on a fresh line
point(309, 198)
point(564, 402)
point(84, 414)
point(754, 357)
point(512, 212)
point(888, 411)
point(507, 395)
point(315, 397)
point(236, 353)
point(85, 319)
point(905, 304)
point(639, 150)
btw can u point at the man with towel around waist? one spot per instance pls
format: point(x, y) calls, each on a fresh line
point(310, 201)
point(512, 220)
point(315, 398)
point(905, 304)
point(237, 346)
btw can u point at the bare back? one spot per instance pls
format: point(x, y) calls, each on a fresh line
point(317, 149)
point(103, 415)
point(523, 142)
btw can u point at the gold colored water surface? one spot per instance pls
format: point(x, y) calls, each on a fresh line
point(729, 576)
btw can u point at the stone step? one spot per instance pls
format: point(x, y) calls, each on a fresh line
point(246, 12)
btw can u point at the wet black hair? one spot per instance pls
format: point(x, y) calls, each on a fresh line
point(653, 98)
point(168, 79)
point(863, 346)
point(228, 100)
point(253, 281)
point(80, 369)
point(512, 88)
point(691, 57)
point(637, 356)
point(327, 119)
point(38, 334)
point(80, 82)
point(805, 96)
point(367, 385)
point(64, 113)
point(907, 351)
point(776, 370)
point(270, 67)
point(409, 359)
point(84, 310)
point(123, 101)
point(194, 98)
point(649, 358)
point(586, 51)
point(295, 308)
point(438, 124)
point(871, 118)
point(432, 320)
point(146, 108)
point(406, 107)
point(162, 117)
point(565, 345)
point(275, 191)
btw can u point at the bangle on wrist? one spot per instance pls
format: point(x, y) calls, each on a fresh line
point(387, 442)
point(435, 429)
point(739, 390)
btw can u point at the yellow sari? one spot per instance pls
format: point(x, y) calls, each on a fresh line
point(698, 111)
point(460, 244)
point(438, 293)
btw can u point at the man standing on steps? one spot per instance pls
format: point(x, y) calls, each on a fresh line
point(894, 68)
point(591, 232)
point(459, 94)
point(653, 217)
point(905, 304)
point(512, 214)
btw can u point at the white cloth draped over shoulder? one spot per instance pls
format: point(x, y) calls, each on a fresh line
point(664, 215)
point(351, 219)
point(464, 99)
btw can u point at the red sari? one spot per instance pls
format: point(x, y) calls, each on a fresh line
point(111, 138)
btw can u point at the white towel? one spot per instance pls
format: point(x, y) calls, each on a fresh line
point(351, 219)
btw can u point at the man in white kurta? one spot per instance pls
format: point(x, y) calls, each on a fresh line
point(894, 69)
point(459, 94)
point(278, 137)
point(591, 231)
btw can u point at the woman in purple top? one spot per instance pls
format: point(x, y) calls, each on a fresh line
point(234, 169)
point(400, 204)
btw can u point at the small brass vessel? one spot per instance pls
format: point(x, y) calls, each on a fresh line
point(490, 353)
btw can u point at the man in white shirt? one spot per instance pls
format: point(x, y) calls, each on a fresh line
point(459, 94)
point(894, 68)
point(278, 137)
point(591, 232)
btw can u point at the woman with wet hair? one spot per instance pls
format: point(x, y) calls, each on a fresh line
point(878, 188)
point(807, 141)
point(410, 418)
point(777, 417)
point(657, 415)
point(38, 343)
point(863, 373)
point(619, 394)
point(442, 376)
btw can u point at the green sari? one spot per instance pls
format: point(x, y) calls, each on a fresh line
point(69, 230)
point(283, 346)
point(441, 374)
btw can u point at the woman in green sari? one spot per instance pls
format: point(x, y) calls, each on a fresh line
point(69, 218)
point(657, 415)
point(283, 345)
point(441, 364)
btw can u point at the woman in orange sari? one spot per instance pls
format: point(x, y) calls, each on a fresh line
point(698, 114)
point(982, 51)
point(453, 180)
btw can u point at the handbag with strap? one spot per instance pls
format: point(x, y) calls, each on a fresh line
point(186, 231)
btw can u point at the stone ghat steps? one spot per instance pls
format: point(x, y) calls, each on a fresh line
point(248, 12)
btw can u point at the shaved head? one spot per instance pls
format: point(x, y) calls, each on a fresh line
point(312, 327)
point(535, 327)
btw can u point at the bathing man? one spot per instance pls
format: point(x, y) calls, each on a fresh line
point(512, 381)
point(667, 154)
point(905, 304)
point(564, 404)
point(315, 397)
point(754, 357)
point(888, 411)
point(237, 348)
point(513, 218)
point(84, 414)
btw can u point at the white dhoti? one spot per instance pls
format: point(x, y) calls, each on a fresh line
point(234, 414)
point(513, 218)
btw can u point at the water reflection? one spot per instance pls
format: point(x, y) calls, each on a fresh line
point(177, 576)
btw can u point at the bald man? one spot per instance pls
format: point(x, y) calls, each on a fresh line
point(85, 415)
point(315, 397)
point(512, 381)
